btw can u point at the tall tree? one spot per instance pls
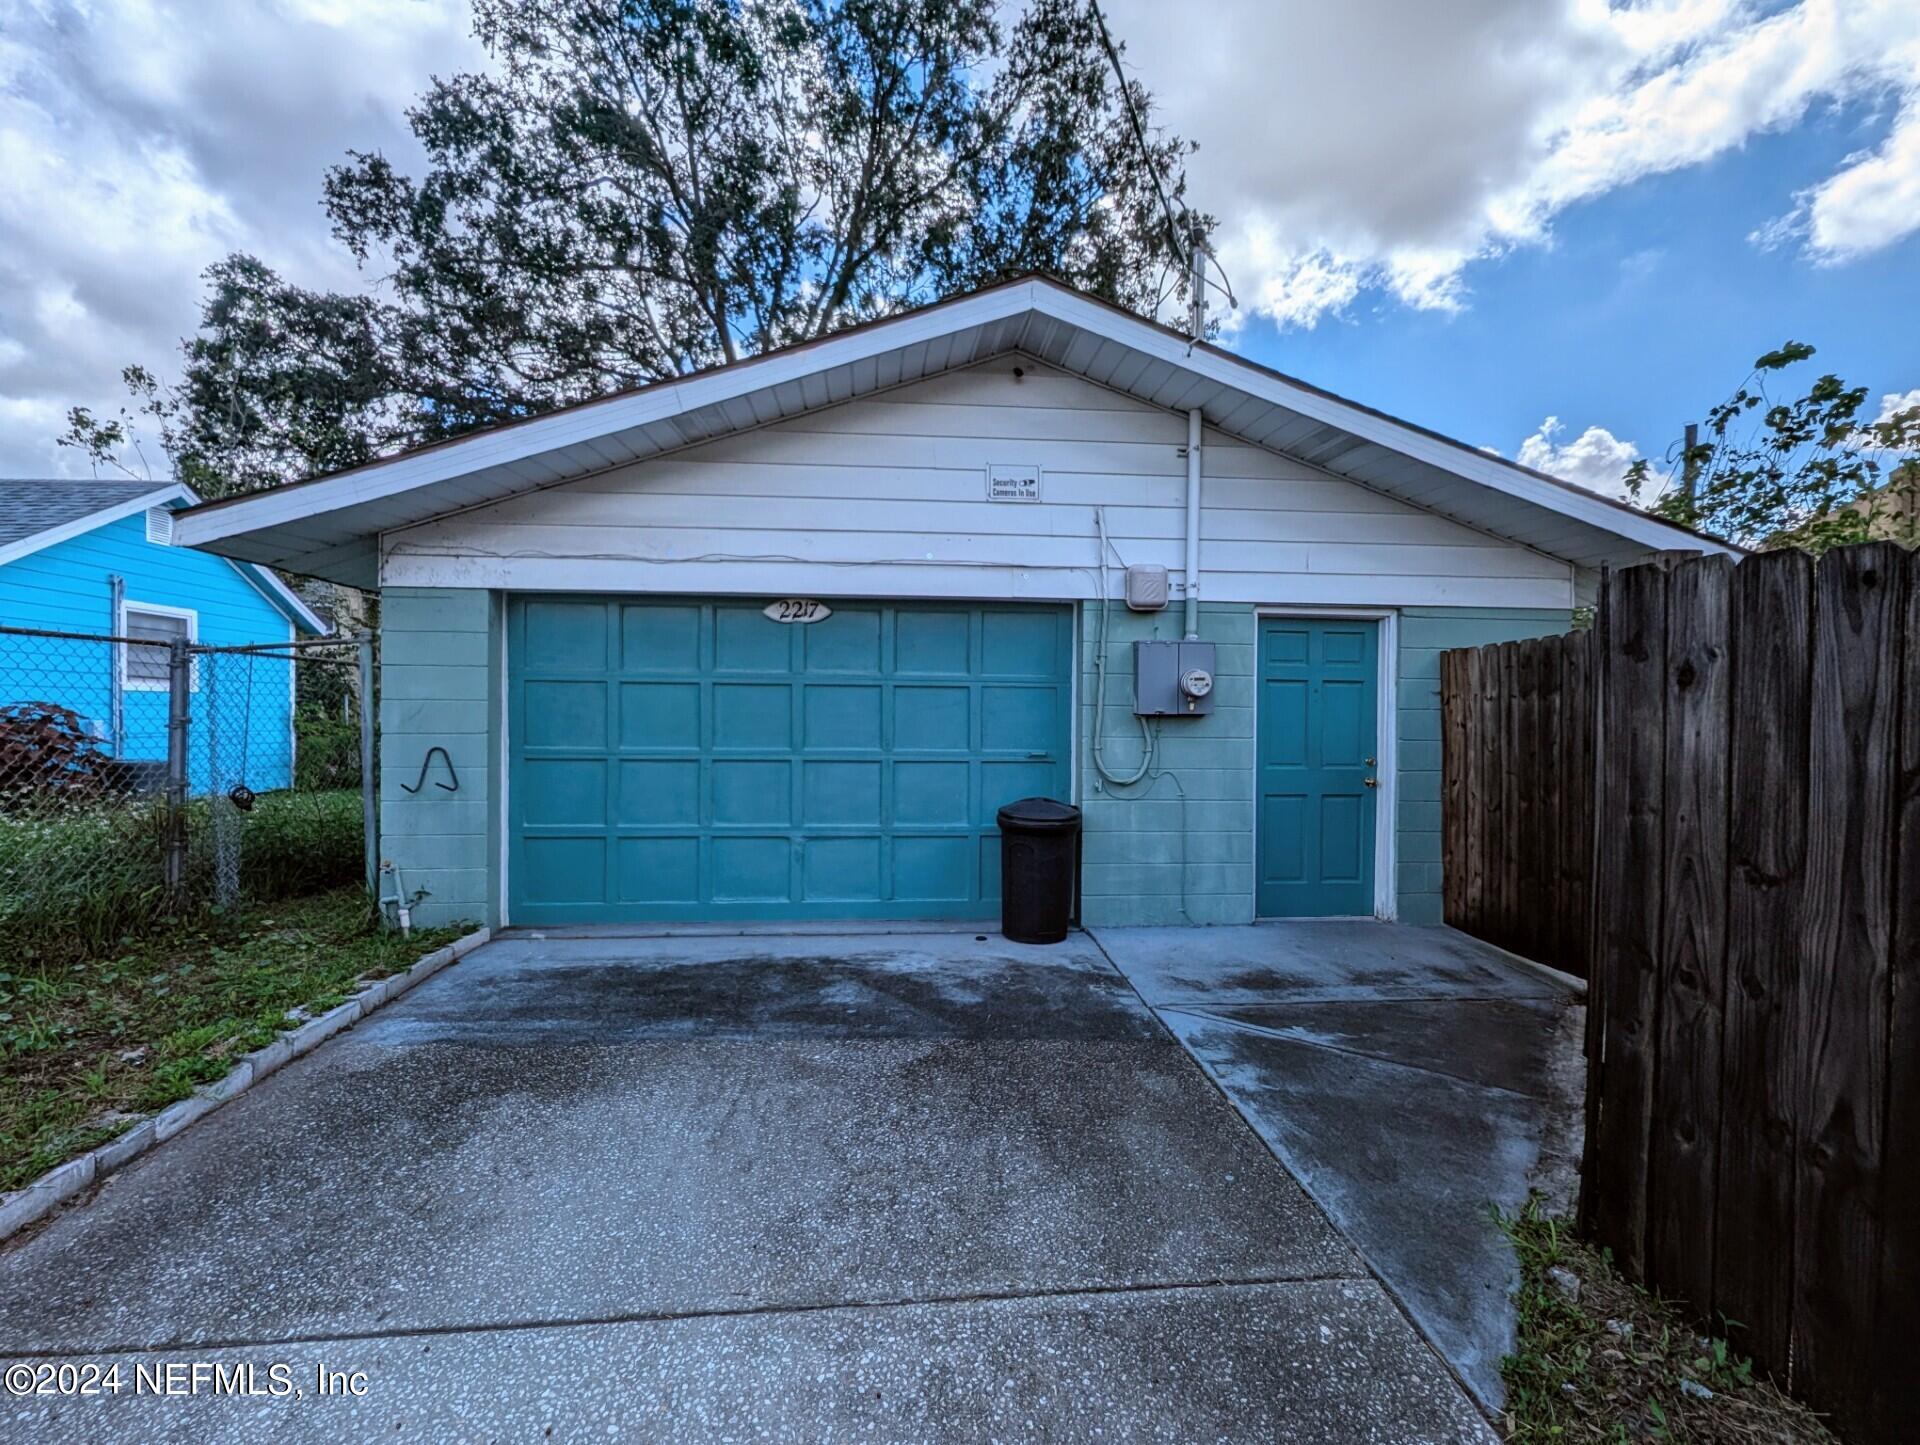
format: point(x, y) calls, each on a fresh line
point(1809, 473)
point(636, 189)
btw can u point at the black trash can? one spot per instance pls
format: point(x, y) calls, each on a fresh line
point(1039, 869)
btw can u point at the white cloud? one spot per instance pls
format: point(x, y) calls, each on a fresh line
point(142, 140)
point(1596, 459)
point(1373, 147)
point(1377, 144)
point(1895, 402)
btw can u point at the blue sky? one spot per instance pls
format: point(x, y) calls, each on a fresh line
point(1644, 310)
point(1477, 214)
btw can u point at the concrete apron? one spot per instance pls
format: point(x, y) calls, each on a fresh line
point(905, 1187)
point(1412, 1079)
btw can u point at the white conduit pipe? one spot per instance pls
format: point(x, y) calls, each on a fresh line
point(1193, 525)
point(1118, 780)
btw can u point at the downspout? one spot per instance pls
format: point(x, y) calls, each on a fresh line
point(116, 661)
point(1197, 325)
point(1193, 525)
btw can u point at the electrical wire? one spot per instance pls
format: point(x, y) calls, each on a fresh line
point(1100, 678)
point(1140, 135)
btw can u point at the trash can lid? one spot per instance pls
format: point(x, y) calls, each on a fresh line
point(1040, 815)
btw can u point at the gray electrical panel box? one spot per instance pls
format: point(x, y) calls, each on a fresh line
point(1172, 679)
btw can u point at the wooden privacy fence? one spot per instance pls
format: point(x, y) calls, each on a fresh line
point(1753, 1130)
point(1517, 795)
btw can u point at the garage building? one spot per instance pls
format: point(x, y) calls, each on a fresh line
point(775, 641)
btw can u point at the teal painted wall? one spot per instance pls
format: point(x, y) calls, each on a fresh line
point(437, 688)
point(1178, 846)
point(1426, 632)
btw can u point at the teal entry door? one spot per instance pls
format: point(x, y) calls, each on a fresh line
point(1318, 784)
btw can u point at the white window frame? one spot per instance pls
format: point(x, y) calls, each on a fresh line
point(131, 605)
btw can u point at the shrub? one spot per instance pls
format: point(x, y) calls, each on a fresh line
point(326, 750)
point(76, 882)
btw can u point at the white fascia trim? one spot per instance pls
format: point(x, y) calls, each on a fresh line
point(280, 595)
point(80, 526)
point(525, 440)
point(1491, 472)
point(621, 413)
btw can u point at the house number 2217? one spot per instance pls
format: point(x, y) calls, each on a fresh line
point(798, 609)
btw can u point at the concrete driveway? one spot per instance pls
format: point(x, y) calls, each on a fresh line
point(1412, 1078)
point(906, 1186)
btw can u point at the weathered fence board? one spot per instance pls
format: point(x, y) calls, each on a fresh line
point(1632, 681)
point(1897, 1317)
point(1766, 863)
point(1710, 802)
point(1686, 1092)
point(1842, 998)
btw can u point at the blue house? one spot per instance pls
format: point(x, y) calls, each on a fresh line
point(96, 557)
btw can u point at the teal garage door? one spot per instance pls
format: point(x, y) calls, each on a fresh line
point(1318, 783)
point(693, 759)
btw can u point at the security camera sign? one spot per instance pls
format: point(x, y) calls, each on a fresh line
point(1013, 483)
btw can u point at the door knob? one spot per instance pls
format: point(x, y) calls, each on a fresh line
point(1373, 782)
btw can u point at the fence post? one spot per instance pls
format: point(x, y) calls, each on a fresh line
point(179, 692)
point(369, 815)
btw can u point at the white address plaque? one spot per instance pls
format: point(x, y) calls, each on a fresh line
point(798, 609)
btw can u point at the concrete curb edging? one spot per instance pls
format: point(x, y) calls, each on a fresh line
point(65, 1181)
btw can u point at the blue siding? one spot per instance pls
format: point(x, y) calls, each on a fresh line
point(65, 588)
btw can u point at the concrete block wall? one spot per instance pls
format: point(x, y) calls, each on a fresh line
point(1426, 632)
point(1176, 847)
point(437, 690)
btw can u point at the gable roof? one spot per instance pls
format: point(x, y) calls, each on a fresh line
point(329, 526)
point(41, 512)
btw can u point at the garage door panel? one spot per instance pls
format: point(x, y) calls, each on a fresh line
point(656, 714)
point(839, 718)
point(839, 794)
point(931, 719)
point(659, 870)
point(1017, 719)
point(933, 870)
point(743, 641)
point(565, 792)
point(566, 870)
point(1008, 782)
point(843, 870)
point(752, 715)
point(751, 792)
point(567, 636)
point(660, 639)
point(570, 715)
point(848, 768)
point(848, 641)
point(752, 870)
point(930, 644)
point(1020, 644)
point(659, 793)
point(932, 792)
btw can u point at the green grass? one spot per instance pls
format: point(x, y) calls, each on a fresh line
point(75, 884)
point(90, 1044)
point(1616, 1364)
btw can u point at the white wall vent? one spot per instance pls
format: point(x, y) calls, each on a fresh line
point(160, 526)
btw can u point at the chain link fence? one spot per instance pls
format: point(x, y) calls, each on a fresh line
point(145, 777)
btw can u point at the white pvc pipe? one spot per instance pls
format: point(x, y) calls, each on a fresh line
point(1193, 524)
